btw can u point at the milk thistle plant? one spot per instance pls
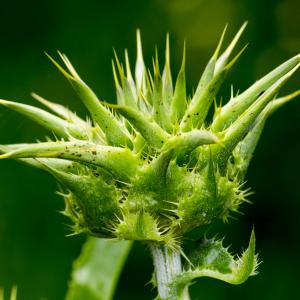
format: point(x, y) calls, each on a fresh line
point(153, 167)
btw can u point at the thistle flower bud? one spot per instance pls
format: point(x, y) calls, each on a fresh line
point(150, 168)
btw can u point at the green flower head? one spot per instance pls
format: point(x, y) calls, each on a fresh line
point(153, 166)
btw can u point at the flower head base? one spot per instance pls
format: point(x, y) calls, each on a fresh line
point(150, 167)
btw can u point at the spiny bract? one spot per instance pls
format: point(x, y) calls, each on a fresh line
point(152, 167)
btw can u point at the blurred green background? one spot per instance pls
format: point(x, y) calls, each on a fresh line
point(35, 253)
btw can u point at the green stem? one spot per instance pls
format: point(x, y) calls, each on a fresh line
point(167, 264)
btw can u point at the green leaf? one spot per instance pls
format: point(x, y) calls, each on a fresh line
point(115, 133)
point(237, 105)
point(179, 102)
point(184, 143)
point(60, 110)
point(160, 166)
point(238, 130)
point(278, 102)
point(159, 112)
point(199, 106)
point(209, 70)
point(140, 69)
point(97, 200)
point(129, 96)
point(161, 92)
point(58, 164)
point(210, 82)
point(58, 126)
point(223, 59)
point(96, 271)
point(211, 259)
point(153, 134)
point(167, 85)
point(118, 161)
point(243, 152)
point(119, 90)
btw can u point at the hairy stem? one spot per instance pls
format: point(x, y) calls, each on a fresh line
point(167, 264)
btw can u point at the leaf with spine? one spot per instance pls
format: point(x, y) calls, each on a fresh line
point(94, 134)
point(142, 226)
point(184, 143)
point(224, 57)
point(153, 134)
point(58, 164)
point(97, 269)
point(211, 259)
point(97, 200)
point(209, 85)
point(148, 190)
point(130, 80)
point(129, 95)
point(114, 132)
point(209, 70)
point(167, 87)
point(58, 126)
point(237, 131)
point(243, 152)
point(237, 105)
point(278, 102)
point(201, 205)
point(60, 110)
point(198, 108)
point(119, 91)
point(119, 161)
point(179, 101)
point(157, 95)
point(140, 69)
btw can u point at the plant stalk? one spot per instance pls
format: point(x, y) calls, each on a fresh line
point(167, 264)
